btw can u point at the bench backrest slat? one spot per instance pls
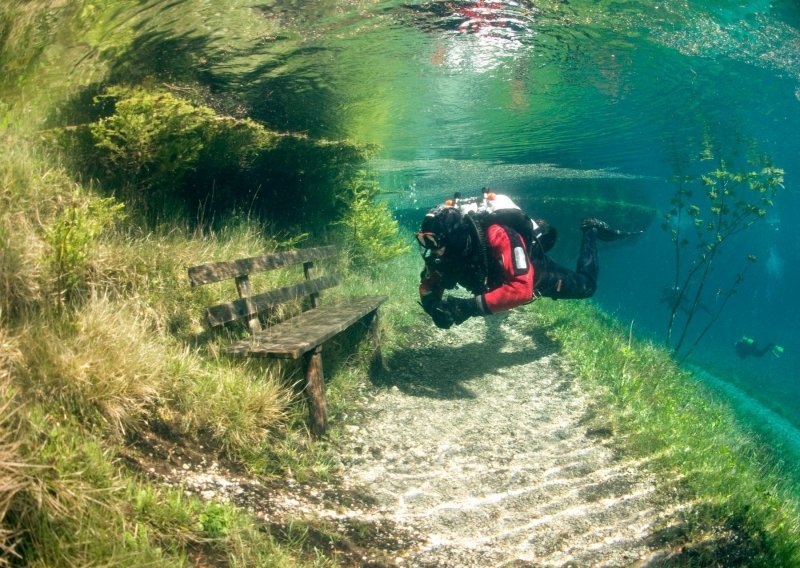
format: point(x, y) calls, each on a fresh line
point(217, 271)
point(246, 307)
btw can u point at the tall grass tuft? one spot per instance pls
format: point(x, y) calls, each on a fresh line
point(398, 279)
point(28, 195)
point(100, 364)
point(13, 478)
point(224, 405)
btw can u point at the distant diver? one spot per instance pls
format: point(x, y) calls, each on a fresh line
point(747, 347)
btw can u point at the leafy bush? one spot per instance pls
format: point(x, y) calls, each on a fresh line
point(176, 159)
point(151, 136)
point(72, 238)
point(371, 230)
point(216, 520)
point(146, 146)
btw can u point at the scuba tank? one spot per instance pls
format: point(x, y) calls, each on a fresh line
point(472, 267)
point(491, 208)
point(488, 201)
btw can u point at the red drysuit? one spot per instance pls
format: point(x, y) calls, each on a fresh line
point(505, 283)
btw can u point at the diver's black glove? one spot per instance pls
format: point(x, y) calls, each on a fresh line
point(461, 309)
point(434, 307)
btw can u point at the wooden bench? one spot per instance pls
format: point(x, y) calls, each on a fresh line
point(299, 336)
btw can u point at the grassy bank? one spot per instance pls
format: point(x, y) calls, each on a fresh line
point(102, 343)
point(737, 503)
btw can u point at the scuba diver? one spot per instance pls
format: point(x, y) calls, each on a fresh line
point(747, 347)
point(498, 254)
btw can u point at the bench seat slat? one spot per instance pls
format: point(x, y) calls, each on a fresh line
point(247, 307)
point(217, 271)
point(300, 334)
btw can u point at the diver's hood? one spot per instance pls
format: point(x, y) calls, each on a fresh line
point(450, 227)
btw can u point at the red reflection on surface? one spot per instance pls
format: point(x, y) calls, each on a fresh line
point(479, 15)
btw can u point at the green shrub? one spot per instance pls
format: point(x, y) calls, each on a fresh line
point(371, 231)
point(72, 238)
point(216, 520)
point(148, 143)
point(151, 134)
point(174, 159)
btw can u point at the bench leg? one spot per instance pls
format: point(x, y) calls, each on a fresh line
point(377, 363)
point(315, 391)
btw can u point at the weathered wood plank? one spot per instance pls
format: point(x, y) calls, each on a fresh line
point(315, 391)
point(302, 333)
point(247, 307)
point(246, 291)
point(308, 271)
point(377, 364)
point(216, 271)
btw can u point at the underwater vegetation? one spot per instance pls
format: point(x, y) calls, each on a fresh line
point(728, 204)
point(120, 166)
point(172, 158)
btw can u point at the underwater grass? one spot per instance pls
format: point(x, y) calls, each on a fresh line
point(81, 373)
point(78, 508)
point(127, 348)
point(397, 278)
point(693, 441)
point(102, 339)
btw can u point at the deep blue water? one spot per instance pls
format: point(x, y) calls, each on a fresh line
point(574, 108)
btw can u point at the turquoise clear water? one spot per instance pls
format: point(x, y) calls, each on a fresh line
point(575, 108)
point(586, 108)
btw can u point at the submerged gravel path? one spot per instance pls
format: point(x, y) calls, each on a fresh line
point(478, 449)
point(483, 446)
